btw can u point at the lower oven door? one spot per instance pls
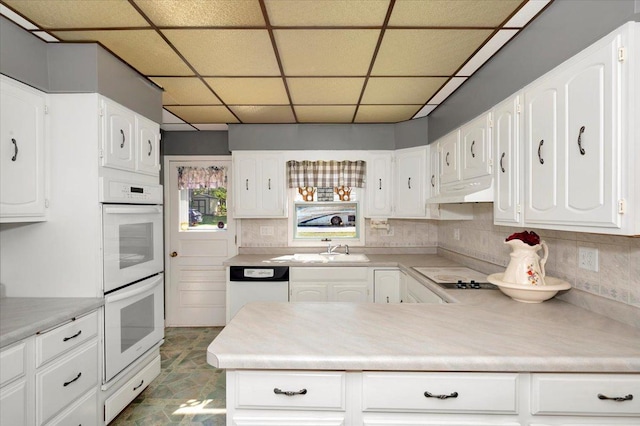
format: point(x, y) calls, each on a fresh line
point(133, 323)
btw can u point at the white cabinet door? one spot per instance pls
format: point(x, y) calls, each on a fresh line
point(542, 151)
point(448, 152)
point(13, 404)
point(411, 169)
point(348, 292)
point(119, 139)
point(308, 292)
point(418, 293)
point(379, 185)
point(148, 157)
point(386, 286)
point(22, 154)
point(506, 136)
point(433, 183)
point(475, 147)
point(259, 185)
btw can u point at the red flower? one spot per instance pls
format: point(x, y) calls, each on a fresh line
point(530, 238)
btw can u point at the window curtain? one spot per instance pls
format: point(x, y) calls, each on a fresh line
point(326, 174)
point(201, 177)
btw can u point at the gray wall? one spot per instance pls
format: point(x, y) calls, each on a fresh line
point(75, 68)
point(194, 143)
point(411, 133)
point(310, 136)
point(562, 30)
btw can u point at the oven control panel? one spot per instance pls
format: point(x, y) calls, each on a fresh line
point(123, 192)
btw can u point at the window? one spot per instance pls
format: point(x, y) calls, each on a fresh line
point(203, 198)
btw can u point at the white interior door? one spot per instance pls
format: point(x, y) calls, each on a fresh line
point(196, 245)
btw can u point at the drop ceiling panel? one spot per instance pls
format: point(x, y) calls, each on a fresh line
point(325, 114)
point(250, 91)
point(203, 114)
point(401, 90)
point(385, 113)
point(79, 14)
point(426, 52)
point(326, 52)
point(325, 90)
point(327, 12)
point(203, 13)
point(142, 49)
point(448, 13)
point(226, 52)
point(264, 114)
point(186, 91)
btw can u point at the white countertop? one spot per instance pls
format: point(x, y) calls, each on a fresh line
point(484, 331)
point(21, 317)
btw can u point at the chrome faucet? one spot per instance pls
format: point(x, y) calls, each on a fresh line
point(331, 249)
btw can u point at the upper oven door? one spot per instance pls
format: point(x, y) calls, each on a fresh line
point(132, 243)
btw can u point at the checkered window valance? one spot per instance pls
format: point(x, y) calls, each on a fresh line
point(326, 174)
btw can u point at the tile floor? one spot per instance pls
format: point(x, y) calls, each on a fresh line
point(188, 391)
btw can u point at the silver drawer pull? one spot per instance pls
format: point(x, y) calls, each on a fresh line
point(65, 384)
point(451, 395)
point(289, 393)
point(72, 337)
point(616, 398)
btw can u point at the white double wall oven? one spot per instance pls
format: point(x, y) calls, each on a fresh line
point(133, 278)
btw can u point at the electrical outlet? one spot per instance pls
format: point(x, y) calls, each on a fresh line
point(266, 230)
point(456, 234)
point(389, 232)
point(588, 258)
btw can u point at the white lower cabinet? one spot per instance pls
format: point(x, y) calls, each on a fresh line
point(386, 286)
point(350, 398)
point(330, 284)
point(413, 291)
point(14, 403)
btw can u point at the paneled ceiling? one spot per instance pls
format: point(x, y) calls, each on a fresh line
point(288, 61)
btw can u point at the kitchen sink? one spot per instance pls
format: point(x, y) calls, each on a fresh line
point(329, 257)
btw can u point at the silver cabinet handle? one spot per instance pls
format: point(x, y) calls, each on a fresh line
point(582, 151)
point(540, 151)
point(289, 393)
point(65, 384)
point(616, 398)
point(72, 337)
point(446, 159)
point(451, 395)
point(473, 154)
point(123, 138)
point(15, 149)
point(150, 147)
point(409, 183)
point(501, 165)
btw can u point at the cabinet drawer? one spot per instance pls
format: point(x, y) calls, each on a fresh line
point(83, 412)
point(477, 393)
point(578, 394)
point(66, 337)
point(65, 381)
point(328, 274)
point(13, 363)
point(320, 391)
point(134, 387)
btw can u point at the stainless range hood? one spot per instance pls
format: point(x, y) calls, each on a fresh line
point(479, 190)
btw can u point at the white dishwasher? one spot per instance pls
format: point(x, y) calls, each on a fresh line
point(256, 284)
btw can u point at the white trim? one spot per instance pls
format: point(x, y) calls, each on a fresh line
point(526, 14)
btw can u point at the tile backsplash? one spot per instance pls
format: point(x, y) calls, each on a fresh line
point(618, 276)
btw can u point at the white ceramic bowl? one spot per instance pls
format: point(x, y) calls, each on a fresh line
point(529, 293)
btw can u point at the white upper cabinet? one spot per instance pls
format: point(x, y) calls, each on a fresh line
point(258, 185)
point(130, 141)
point(574, 145)
point(449, 169)
point(148, 153)
point(434, 177)
point(475, 148)
point(506, 138)
point(379, 184)
point(411, 171)
point(22, 153)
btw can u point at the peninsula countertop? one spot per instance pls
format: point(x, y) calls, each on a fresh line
point(21, 317)
point(484, 331)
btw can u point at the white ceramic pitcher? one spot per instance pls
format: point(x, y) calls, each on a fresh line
point(526, 267)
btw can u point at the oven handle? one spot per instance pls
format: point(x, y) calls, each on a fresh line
point(131, 293)
point(132, 210)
